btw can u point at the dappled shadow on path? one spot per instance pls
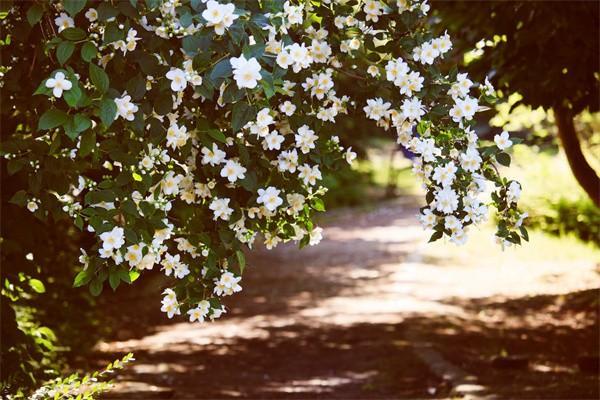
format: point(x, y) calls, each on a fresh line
point(340, 320)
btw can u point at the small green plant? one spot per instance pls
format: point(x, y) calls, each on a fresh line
point(77, 387)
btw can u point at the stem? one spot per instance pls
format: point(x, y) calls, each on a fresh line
point(583, 172)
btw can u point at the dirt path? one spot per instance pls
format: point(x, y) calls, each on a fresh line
point(373, 312)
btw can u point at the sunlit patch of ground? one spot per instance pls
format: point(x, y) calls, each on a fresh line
point(345, 319)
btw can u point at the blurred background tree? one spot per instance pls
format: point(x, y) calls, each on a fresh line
point(547, 52)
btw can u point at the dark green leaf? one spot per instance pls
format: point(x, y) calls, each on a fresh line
point(108, 111)
point(114, 279)
point(64, 51)
point(52, 118)
point(73, 34)
point(241, 114)
point(88, 143)
point(88, 51)
point(106, 11)
point(241, 260)
point(99, 78)
point(221, 70)
point(74, 6)
point(96, 287)
point(218, 135)
point(503, 158)
point(73, 95)
point(436, 236)
point(34, 14)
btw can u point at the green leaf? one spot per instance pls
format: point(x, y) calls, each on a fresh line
point(221, 70)
point(136, 87)
point(74, 34)
point(19, 198)
point(64, 51)
point(106, 11)
point(34, 14)
point(241, 114)
point(73, 95)
point(318, 204)
point(88, 51)
point(74, 6)
point(99, 78)
point(241, 260)
point(82, 278)
point(114, 279)
point(503, 158)
point(96, 287)
point(42, 89)
point(52, 118)
point(14, 166)
point(163, 104)
point(217, 135)
point(37, 285)
point(108, 111)
point(81, 123)
point(436, 235)
point(133, 275)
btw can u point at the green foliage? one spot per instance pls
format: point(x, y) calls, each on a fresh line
point(77, 387)
point(545, 51)
point(579, 217)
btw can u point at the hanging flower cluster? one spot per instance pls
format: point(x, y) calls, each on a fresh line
point(179, 132)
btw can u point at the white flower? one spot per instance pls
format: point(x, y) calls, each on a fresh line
point(468, 107)
point(220, 16)
point(113, 239)
point(125, 108)
point(91, 14)
point(227, 284)
point(171, 308)
point(309, 174)
point(296, 203)
point(270, 198)
point(428, 219)
point(58, 84)
point(444, 174)
point(264, 118)
point(232, 170)
point(288, 161)
point(134, 254)
point(470, 160)
point(245, 72)
point(170, 183)
point(412, 109)
point(63, 21)
point(376, 108)
point(502, 140)
point(287, 108)
point(349, 155)
point(273, 141)
point(220, 208)
point(178, 79)
point(177, 136)
point(373, 71)
point(32, 206)
point(181, 270)
point(214, 156)
point(316, 235)
point(305, 139)
point(200, 312)
point(284, 60)
point(446, 200)
point(513, 193)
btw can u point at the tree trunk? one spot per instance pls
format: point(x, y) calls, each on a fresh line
point(583, 172)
